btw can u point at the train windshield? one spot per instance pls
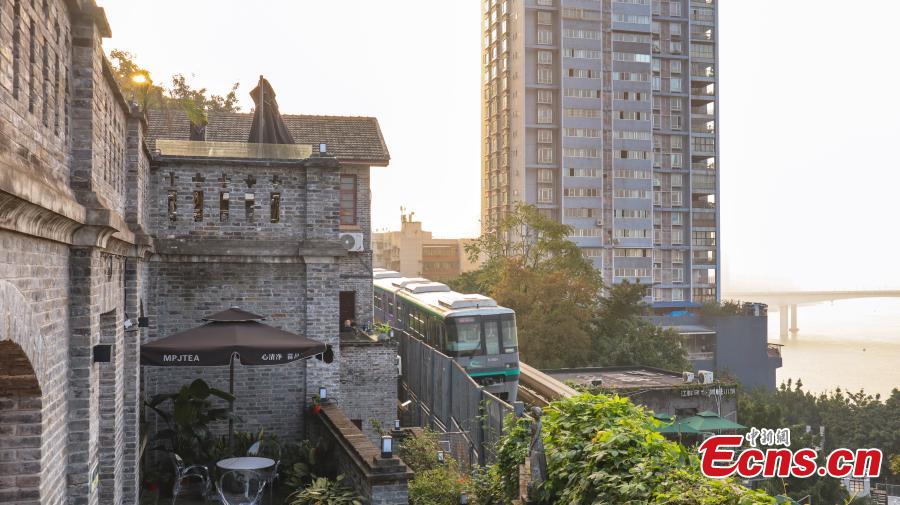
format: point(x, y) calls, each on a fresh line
point(510, 337)
point(491, 337)
point(464, 337)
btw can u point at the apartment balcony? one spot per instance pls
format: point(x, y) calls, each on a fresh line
point(668, 275)
point(701, 258)
point(706, 128)
point(709, 165)
point(703, 110)
point(702, 33)
point(701, 356)
point(704, 223)
point(703, 201)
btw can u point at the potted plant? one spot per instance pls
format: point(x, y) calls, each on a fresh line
point(316, 406)
point(187, 431)
point(383, 330)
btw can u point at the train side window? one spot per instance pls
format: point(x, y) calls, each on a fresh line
point(491, 337)
point(510, 338)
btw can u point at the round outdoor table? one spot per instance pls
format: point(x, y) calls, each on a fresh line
point(243, 464)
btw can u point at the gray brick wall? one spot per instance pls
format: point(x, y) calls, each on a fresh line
point(34, 282)
point(369, 379)
point(181, 294)
point(73, 166)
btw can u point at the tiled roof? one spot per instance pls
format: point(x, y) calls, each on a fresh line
point(349, 138)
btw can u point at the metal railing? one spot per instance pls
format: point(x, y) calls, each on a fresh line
point(445, 398)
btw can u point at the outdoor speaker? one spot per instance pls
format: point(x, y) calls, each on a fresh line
point(102, 353)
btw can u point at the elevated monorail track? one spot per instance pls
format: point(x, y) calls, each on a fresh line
point(539, 389)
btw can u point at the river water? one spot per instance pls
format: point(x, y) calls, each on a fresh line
point(850, 344)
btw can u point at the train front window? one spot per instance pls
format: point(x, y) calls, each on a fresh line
point(510, 337)
point(491, 337)
point(465, 337)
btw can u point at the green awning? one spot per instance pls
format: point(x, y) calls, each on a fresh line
point(709, 421)
point(678, 427)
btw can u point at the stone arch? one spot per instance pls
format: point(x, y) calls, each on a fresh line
point(20, 427)
point(18, 325)
point(21, 416)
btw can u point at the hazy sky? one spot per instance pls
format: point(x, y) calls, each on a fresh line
point(809, 186)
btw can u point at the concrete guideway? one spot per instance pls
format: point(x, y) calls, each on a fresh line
point(539, 389)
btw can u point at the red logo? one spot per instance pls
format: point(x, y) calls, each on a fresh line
point(722, 456)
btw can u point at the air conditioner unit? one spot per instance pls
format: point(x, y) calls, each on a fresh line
point(687, 377)
point(352, 241)
point(706, 377)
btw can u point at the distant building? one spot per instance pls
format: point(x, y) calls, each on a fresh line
point(413, 252)
point(736, 344)
point(604, 115)
point(662, 391)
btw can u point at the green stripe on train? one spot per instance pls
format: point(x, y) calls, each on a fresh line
point(501, 372)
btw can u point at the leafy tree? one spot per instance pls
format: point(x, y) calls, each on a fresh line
point(553, 312)
point(852, 420)
point(532, 267)
point(622, 336)
point(604, 449)
point(534, 241)
point(195, 102)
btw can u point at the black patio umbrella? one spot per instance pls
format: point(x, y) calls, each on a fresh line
point(226, 335)
point(268, 126)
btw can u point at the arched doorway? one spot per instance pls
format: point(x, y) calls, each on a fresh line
point(20, 426)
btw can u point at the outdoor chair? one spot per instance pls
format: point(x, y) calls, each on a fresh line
point(269, 474)
point(241, 487)
point(183, 471)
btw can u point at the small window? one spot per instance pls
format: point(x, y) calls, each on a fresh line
point(173, 205)
point(249, 202)
point(275, 207)
point(198, 205)
point(348, 199)
point(223, 206)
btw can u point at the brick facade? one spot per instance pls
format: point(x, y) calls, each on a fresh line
point(87, 241)
point(369, 369)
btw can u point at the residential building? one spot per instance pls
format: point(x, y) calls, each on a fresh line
point(414, 252)
point(604, 114)
point(117, 229)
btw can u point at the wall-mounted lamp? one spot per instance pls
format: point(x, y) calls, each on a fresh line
point(102, 353)
point(323, 394)
point(405, 405)
point(396, 424)
point(440, 456)
point(323, 148)
point(463, 498)
point(387, 446)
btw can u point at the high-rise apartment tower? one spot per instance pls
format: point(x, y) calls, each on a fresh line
point(604, 114)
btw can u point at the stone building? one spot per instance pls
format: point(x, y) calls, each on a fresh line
point(263, 234)
point(99, 225)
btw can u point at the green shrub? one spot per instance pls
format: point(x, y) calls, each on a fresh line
point(325, 492)
point(420, 453)
point(603, 449)
point(299, 464)
point(437, 486)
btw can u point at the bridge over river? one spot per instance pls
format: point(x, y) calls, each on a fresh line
point(786, 302)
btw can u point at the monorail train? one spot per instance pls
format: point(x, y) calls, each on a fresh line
point(472, 329)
